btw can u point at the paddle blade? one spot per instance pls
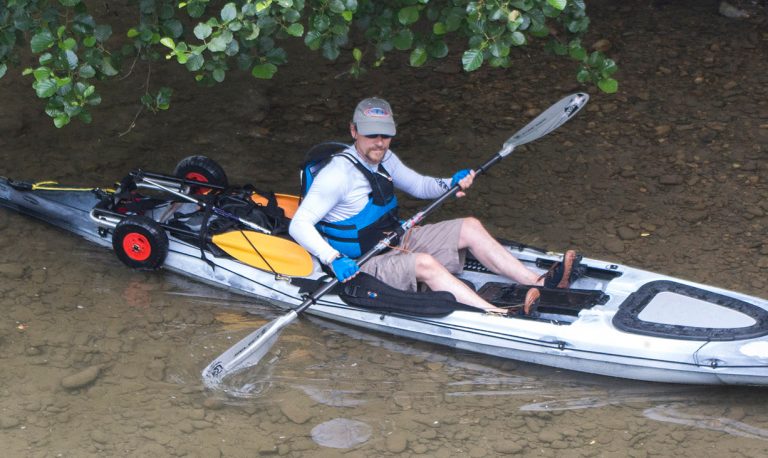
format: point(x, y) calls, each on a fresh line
point(247, 352)
point(289, 203)
point(284, 256)
point(552, 118)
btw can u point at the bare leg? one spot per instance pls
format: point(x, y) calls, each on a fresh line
point(437, 277)
point(493, 255)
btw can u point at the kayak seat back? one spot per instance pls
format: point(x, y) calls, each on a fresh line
point(367, 292)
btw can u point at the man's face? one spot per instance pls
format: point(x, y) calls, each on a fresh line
point(371, 148)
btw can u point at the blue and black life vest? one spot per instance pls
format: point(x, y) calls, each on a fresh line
point(358, 234)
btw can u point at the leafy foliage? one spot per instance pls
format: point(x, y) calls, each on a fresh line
point(210, 38)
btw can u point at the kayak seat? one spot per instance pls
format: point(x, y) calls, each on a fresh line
point(367, 292)
point(561, 301)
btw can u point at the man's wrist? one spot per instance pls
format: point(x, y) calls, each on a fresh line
point(336, 255)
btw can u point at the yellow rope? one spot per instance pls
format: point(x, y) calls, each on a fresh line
point(54, 186)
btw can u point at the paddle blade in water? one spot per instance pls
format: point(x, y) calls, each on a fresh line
point(247, 352)
point(271, 253)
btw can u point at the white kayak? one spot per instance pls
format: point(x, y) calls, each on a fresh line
point(615, 320)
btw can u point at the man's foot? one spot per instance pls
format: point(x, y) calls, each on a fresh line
point(531, 300)
point(562, 274)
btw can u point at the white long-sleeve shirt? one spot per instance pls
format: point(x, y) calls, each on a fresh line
point(341, 191)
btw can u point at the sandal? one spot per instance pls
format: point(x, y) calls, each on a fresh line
point(562, 274)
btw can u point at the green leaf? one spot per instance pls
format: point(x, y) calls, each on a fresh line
point(86, 71)
point(438, 28)
point(45, 88)
point(418, 57)
point(558, 4)
point(173, 27)
point(69, 3)
point(168, 42)
point(203, 31)
point(577, 53)
point(403, 40)
point(218, 44)
point(41, 73)
point(102, 33)
point(408, 15)
point(61, 121)
point(229, 12)
point(107, 68)
point(218, 75)
point(68, 44)
point(437, 49)
point(472, 59)
point(89, 41)
point(295, 30)
point(313, 39)
point(41, 41)
point(517, 38)
point(356, 54)
point(337, 6)
point(85, 117)
point(195, 62)
point(608, 85)
point(264, 71)
point(321, 22)
point(132, 33)
point(71, 58)
point(3, 69)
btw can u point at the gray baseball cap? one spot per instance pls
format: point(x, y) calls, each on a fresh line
point(374, 116)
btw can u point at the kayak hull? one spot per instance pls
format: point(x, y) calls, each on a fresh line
point(633, 332)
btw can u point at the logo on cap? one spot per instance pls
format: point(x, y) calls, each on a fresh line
point(376, 112)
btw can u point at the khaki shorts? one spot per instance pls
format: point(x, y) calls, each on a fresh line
point(397, 268)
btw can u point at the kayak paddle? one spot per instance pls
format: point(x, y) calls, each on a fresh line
point(274, 254)
point(249, 351)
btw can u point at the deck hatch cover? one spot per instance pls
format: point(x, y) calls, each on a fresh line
point(674, 310)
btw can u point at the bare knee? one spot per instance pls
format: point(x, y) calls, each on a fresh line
point(472, 232)
point(427, 267)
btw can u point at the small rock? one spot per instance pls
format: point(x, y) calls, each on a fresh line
point(397, 443)
point(156, 370)
point(507, 448)
point(548, 436)
point(602, 45)
point(614, 245)
point(298, 414)
point(99, 436)
point(212, 403)
point(626, 233)
point(81, 379)
point(8, 422)
point(671, 180)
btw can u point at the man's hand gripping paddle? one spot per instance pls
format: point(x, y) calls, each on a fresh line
point(250, 350)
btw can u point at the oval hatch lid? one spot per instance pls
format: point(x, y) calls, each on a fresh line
point(677, 311)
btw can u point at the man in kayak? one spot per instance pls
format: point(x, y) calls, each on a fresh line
point(350, 206)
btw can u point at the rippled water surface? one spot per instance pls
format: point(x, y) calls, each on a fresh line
point(99, 360)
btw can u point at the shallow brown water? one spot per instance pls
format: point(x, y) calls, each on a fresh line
point(678, 156)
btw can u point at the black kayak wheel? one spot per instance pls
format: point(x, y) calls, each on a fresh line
point(202, 169)
point(140, 243)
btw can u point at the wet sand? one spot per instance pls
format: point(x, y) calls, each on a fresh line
point(668, 175)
